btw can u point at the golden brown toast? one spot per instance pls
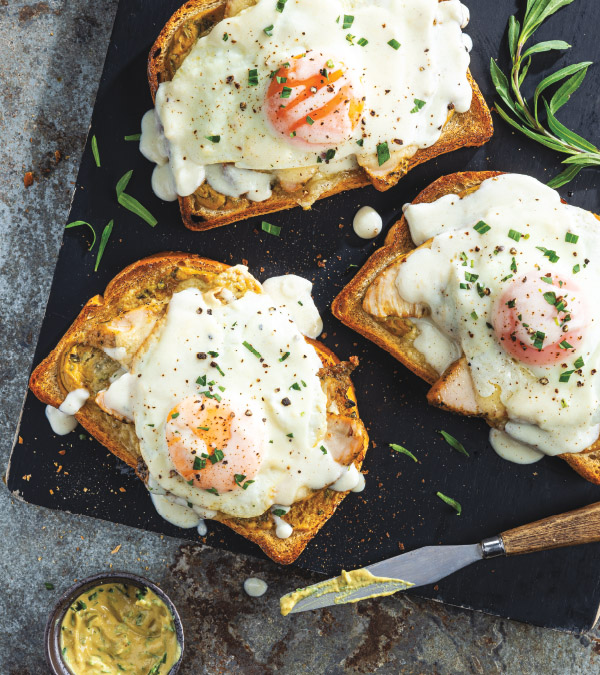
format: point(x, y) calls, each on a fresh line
point(79, 361)
point(207, 208)
point(396, 333)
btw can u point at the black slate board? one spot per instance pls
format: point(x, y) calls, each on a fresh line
point(398, 509)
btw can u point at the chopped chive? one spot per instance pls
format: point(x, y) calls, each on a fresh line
point(547, 280)
point(285, 92)
point(133, 137)
point(218, 367)
point(330, 154)
point(323, 449)
point(348, 21)
point(238, 477)
point(225, 37)
point(383, 153)
point(464, 287)
point(571, 238)
point(250, 348)
point(565, 345)
point(471, 277)
point(199, 464)
point(174, 415)
point(49, 586)
point(579, 363)
point(203, 428)
point(454, 443)
point(507, 277)
point(538, 339)
point(511, 303)
point(360, 141)
point(95, 151)
point(403, 451)
point(576, 269)
point(281, 80)
point(292, 134)
point(295, 386)
point(418, 104)
point(284, 357)
point(394, 44)
point(451, 502)
point(190, 482)
point(329, 63)
point(482, 227)
point(290, 435)
point(213, 139)
point(309, 120)
point(217, 456)
point(280, 5)
point(513, 234)
point(269, 30)
point(513, 265)
point(565, 376)
point(213, 491)
point(201, 381)
point(246, 484)
point(362, 42)
point(279, 512)
point(271, 229)
point(350, 38)
point(213, 354)
point(106, 232)
point(550, 297)
point(253, 77)
point(474, 315)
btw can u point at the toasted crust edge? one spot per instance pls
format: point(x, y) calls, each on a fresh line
point(46, 386)
point(347, 306)
point(473, 128)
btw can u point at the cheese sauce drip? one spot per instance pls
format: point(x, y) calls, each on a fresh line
point(269, 89)
point(228, 406)
point(511, 278)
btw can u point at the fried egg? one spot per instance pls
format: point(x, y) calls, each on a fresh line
point(228, 406)
point(305, 83)
point(507, 278)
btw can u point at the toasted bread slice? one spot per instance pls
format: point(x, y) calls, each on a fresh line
point(147, 286)
point(206, 208)
point(393, 330)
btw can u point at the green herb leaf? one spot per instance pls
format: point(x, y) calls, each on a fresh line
point(123, 183)
point(418, 105)
point(106, 232)
point(451, 502)
point(95, 151)
point(132, 204)
point(454, 443)
point(403, 451)
point(271, 229)
point(383, 153)
point(545, 47)
point(77, 223)
point(564, 177)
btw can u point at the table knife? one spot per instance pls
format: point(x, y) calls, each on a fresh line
point(431, 563)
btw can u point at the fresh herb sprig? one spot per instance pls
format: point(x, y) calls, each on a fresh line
point(525, 116)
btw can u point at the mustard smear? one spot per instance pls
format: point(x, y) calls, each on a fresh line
point(344, 586)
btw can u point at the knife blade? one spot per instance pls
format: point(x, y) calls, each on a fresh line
point(416, 568)
point(432, 563)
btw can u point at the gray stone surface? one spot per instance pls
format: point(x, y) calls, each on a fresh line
point(53, 54)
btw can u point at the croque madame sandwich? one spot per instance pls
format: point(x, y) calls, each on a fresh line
point(265, 105)
point(211, 386)
point(486, 289)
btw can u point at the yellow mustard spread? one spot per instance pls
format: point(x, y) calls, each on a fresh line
point(344, 586)
point(119, 628)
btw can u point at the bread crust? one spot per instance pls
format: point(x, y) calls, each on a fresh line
point(197, 17)
point(396, 335)
point(149, 283)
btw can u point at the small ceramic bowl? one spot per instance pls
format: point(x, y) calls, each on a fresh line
point(52, 634)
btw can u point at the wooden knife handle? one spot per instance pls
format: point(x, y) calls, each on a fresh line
point(581, 526)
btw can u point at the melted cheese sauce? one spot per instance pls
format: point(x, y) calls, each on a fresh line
point(250, 353)
point(62, 419)
point(465, 278)
point(218, 109)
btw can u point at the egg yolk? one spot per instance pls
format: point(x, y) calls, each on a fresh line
point(215, 445)
point(313, 100)
point(541, 319)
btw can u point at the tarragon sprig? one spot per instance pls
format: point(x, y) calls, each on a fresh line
point(526, 115)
